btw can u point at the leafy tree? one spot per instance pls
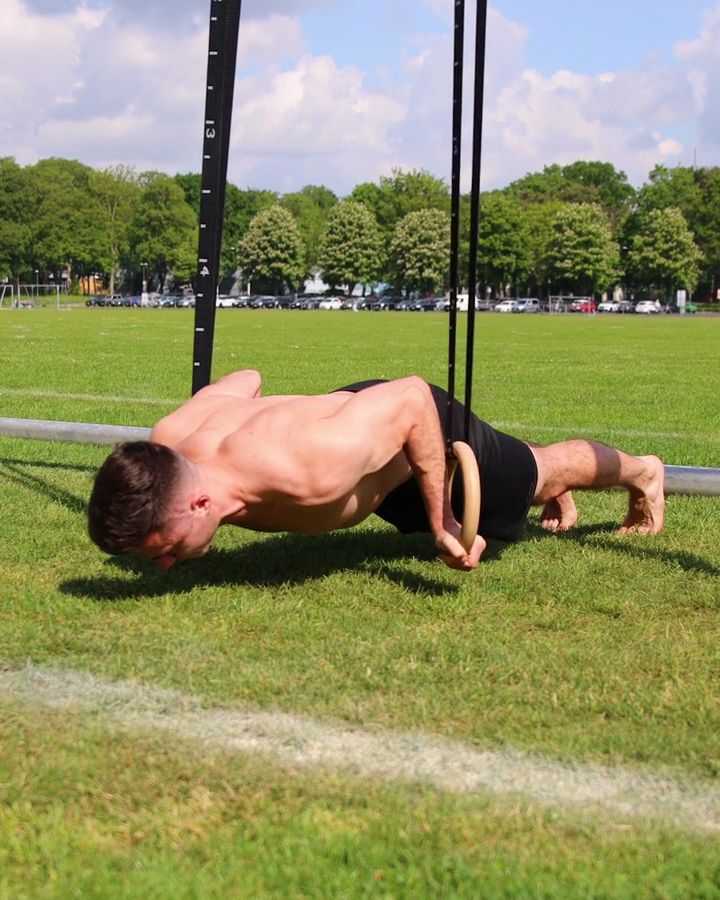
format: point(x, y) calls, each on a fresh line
point(603, 184)
point(163, 231)
point(539, 187)
point(394, 197)
point(696, 193)
point(310, 208)
point(116, 191)
point(664, 253)
point(502, 256)
point(538, 220)
point(582, 254)
point(420, 250)
point(15, 211)
point(272, 251)
point(190, 182)
point(666, 187)
point(240, 208)
point(704, 221)
point(350, 250)
point(67, 224)
point(579, 182)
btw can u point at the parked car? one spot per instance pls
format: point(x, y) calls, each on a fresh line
point(647, 307)
point(306, 301)
point(583, 305)
point(609, 306)
point(225, 302)
point(527, 305)
point(96, 301)
point(135, 300)
point(506, 306)
point(188, 301)
point(330, 303)
point(674, 308)
point(387, 301)
point(427, 304)
point(284, 301)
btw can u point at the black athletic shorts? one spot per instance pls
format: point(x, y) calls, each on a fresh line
point(508, 477)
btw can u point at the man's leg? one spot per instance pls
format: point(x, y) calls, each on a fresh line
point(589, 465)
point(560, 513)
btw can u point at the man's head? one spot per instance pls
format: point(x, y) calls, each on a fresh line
point(145, 500)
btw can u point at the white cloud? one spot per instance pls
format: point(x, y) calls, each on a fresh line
point(106, 92)
point(98, 80)
point(39, 66)
point(702, 59)
point(313, 123)
point(172, 15)
point(560, 118)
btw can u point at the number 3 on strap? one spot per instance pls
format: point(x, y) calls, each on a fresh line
point(465, 460)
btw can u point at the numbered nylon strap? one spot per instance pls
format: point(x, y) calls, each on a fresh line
point(222, 58)
point(460, 455)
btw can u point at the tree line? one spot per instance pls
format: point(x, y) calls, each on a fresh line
point(580, 228)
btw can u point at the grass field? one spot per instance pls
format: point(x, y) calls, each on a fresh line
point(580, 651)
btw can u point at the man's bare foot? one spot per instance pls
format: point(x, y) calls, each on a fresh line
point(560, 513)
point(646, 508)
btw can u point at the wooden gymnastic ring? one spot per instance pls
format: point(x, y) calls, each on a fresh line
point(466, 461)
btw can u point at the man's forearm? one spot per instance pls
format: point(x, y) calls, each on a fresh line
point(425, 451)
point(245, 384)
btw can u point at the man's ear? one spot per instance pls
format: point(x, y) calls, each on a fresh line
point(200, 503)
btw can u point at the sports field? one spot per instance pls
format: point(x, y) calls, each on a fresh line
point(343, 716)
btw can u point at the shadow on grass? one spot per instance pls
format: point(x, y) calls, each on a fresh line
point(45, 464)
point(683, 559)
point(286, 559)
point(13, 470)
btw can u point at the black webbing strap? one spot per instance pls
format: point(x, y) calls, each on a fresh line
point(222, 58)
point(480, 29)
point(478, 95)
point(458, 50)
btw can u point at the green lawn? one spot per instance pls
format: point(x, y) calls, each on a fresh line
point(587, 647)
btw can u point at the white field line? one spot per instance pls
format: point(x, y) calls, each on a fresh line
point(299, 741)
point(518, 428)
point(90, 398)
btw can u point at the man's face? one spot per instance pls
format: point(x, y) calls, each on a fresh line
point(186, 537)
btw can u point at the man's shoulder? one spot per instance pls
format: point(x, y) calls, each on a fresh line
point(192, 416)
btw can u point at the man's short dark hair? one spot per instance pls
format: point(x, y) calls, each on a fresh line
point(131, 496)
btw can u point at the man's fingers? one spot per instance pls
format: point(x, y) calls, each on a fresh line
point(453, 554)
point(464, 565)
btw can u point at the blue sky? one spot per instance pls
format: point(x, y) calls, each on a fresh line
point(586, 37)
point(336, 92)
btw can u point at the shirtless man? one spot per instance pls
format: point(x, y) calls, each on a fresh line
point(312, 464)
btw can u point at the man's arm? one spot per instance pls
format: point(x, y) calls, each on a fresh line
point(243, 385)
point(380, 421)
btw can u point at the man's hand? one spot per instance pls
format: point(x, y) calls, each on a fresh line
point(452, 552)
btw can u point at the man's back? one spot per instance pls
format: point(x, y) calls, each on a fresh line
point(286, 458)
